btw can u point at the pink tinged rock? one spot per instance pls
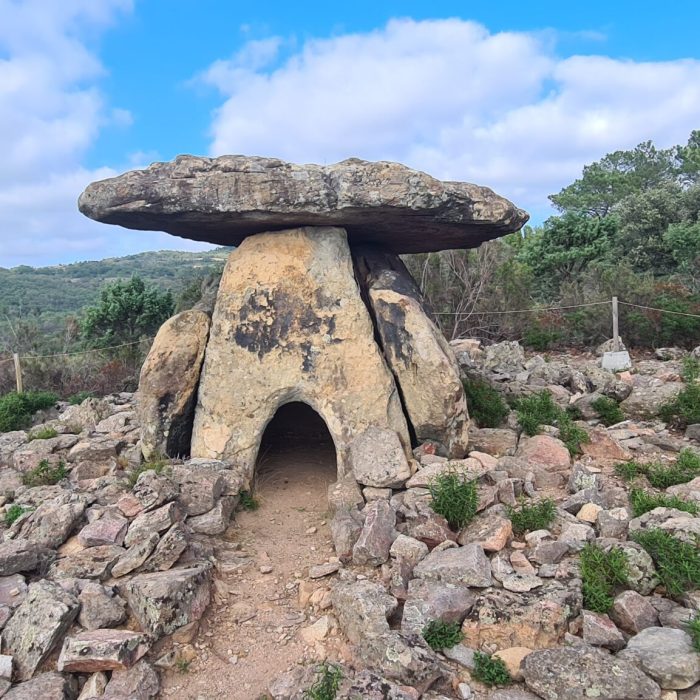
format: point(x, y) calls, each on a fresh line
point(215, 521)
point(490, 531)
point(633, 612)
point(466, 565)
point(154, 521)
point(129, 505)
point(433, 600)
point(546, 453)
point(168, 550)
point(600, 631)
point(322, 570)
point(199, 489)
point(101, 650)
point(18, 555)
point(521, 564)
point(93, 562)
point(429, 527)
point(109, 529)
point(44, 686)
point(488, 462)
point(136, 555)
point(372, 547)
point(140, 682)
point(345, 531)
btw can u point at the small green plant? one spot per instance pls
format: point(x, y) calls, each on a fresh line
point(537, 410)
point(574, 412)
point(14, 512)
point(45, 474)
point(455, 498)
point(326, 685)
point(527, 518)
point(677, 562)
point(442, 635)
point(693, 628)
point(156, 464)
point(630, 470)
point(490, 670)
point(183, 665)
point(684, 409)
point(601, 573)
point(16, 410)
point(540, 338)
point(247, 501)
point(661, 476)
point(572, 435)
point(78, 398)
point(608, 410)
point(486, 405)
point(644, 501)
point(42, 434)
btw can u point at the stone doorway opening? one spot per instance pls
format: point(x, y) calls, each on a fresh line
point(296, 451)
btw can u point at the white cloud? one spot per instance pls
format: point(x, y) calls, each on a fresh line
point(449, 97)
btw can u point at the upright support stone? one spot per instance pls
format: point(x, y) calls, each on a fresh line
point(422, 361)
point(290, 325)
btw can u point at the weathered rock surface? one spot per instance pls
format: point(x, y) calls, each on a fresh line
point(169, 382)
point(100, 607)
point(432, 600)
point(101, 650)
point(377, 535)
point(581, 673)
point(222, 200)
point(377, 458)
point(467, 565)
point(418, 354)
point(46, 685)
point(290, 325)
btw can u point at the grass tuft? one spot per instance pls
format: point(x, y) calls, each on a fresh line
point(677, 562)
point(183, 665)
point(78, 398)
point(644, 501)
point(693, 628)
point(247, 501)
point(42, 434)
point(538, 516)
point(156, 464)
point(601, 573)
point(661, 476)
point(326, 685)
point(14, 512)
point(490, 670)
point(608, 410)
point(442, 635)
point(486, 405)
point(684, 409)
point(44, 474)
point(455, 498)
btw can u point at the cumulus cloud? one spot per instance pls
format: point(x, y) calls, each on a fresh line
point(450, 97)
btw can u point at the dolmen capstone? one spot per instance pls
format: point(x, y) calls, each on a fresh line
point(314, 305)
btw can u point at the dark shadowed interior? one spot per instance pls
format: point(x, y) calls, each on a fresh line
point(296, 444)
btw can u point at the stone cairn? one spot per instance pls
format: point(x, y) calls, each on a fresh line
point(314, 305)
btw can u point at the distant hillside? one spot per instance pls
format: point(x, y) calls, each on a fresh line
point(65, 289)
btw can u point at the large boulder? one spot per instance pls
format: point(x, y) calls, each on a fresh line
point(223, 200)
point(418, 354)
point(290, 325)
point(168, 384)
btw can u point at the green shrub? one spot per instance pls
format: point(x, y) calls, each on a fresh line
point(42, 434)
point(540, 338)
point(693, 628)
point(643, 501)
point(247, 501)
point(78, 398)
point(326, 685)
point(660, 476)
point(442, 635)
point(14, 512)
point(45, 474)
point(486, 405)
point(455, 498)
point(677, 562)
point(608, 410)
point(572, 435)
point(601, 573)
point(490, 670)
point(537, 410)
point(156, 464)
point(16, 410)
point(630, 470)
point(527, 518)
point(684, 409)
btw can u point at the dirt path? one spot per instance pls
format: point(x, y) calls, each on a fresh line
point(253, 637)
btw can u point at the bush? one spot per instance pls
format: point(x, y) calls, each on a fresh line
point(455, 498)
point(42, 434)
point(527, 518)
point(14, 512)
point(442, 635)
point(677, 562)
point(540, 338)
point(643, 501)
point(247, 501)
point(44, 474)
point(572, 435)
point(486, 405)
point(630, 470)
point(490, 670)
point(693, 628)
point(601, 573)
point(78, 398)
point(608, 410)
point(326, 685)
point(685, 408)
point(16, 410)
point(660, 476)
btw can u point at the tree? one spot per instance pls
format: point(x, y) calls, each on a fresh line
point(125, 313)
point(683, 241)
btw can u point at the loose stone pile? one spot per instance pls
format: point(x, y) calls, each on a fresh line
point(314, 304)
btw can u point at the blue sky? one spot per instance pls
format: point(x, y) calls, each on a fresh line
point(517, 96)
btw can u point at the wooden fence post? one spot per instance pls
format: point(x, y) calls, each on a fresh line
point(18, 372)
point(616, 326)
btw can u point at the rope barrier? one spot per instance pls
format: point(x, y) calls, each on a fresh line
point(80, 352)
point(665, 311)
point(522, 311)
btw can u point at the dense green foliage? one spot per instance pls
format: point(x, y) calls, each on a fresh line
point(16, 410)
point(685, 408)
point(693, 629)
point(677, 562)
point(326, 685)
point(439, 634)
point(486, 406)
point(527, 518)
point(601, 573)
point(13, 512)
point(490, 670)
point(45, 474)
point(644, 501)
point(455, 498)
point(247, 501)
point(661, 476)
point(608, 410)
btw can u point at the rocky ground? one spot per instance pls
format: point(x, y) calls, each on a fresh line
point(122, 582)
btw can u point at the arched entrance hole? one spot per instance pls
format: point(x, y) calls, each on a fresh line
point(296, 452)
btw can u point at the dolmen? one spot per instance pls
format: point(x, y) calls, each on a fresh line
point(314, 305)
